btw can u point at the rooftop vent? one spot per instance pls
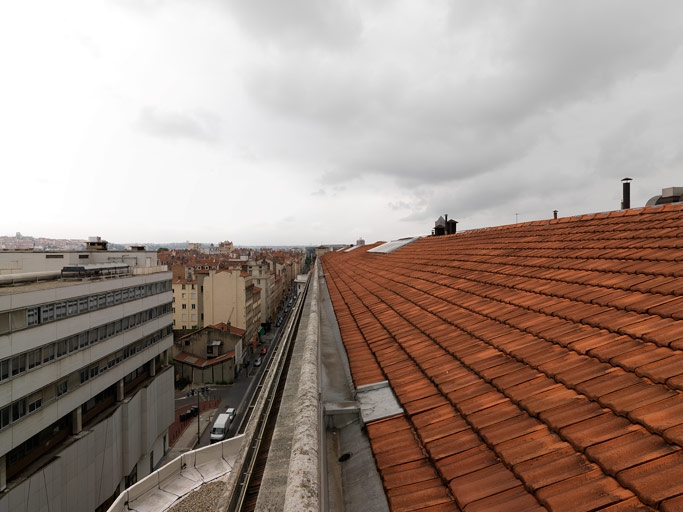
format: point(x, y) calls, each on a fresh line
point(669, 195)
point(95, 243)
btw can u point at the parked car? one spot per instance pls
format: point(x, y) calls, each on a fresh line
point(264, 351)
point(231, 413)
point(257, 362)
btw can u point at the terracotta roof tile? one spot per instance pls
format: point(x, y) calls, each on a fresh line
point(419, 495)
point(570, 413)
point(589, 491)
point(629, 450)
point(657, 480)
point(552, 467)
point(660, 415)
point(537, 364)
point(639, 395)
point(413, 472)
point(482, 484)
point(516, 498)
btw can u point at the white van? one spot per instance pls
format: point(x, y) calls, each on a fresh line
point(220, 428)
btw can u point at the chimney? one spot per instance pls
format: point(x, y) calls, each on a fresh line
point(626, 193)
point(439, 227)
point(555, 214)
point(451, 227)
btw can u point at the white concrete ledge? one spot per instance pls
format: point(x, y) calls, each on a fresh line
point(161, 489)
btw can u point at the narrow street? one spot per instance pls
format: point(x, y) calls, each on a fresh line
point(236, 395)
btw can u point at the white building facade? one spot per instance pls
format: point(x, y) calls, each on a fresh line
point(86, 389)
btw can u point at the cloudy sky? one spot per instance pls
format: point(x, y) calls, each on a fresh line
point(320, 121)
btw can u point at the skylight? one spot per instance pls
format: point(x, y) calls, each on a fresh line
point(388, 247)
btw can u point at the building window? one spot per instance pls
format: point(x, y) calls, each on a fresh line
point(184, 306)
point(48, 352)
point(72, 307)
point(33, 316)
point(18, 409)
point(62, 387)
point(35, 402)
point(18, 364)
point(34, 358)
point(4, 417)
point(194, 306)
point(60, 310)
point(61, 348)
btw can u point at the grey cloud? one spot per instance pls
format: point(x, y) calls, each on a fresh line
point(146, 7)
point(428, 122)
point(627, 152)
point(400, 205)
point(202, 127)
point(565, 51)
point(331, 24)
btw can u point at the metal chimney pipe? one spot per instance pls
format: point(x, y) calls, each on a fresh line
point(555, 214)
point(626, 193)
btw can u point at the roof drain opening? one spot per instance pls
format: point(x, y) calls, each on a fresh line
point(345, 456)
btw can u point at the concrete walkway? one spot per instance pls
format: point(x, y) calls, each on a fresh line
point(188, 439)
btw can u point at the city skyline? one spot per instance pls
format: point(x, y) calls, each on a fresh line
point(324, 122)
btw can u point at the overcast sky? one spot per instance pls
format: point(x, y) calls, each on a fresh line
point(320, 121)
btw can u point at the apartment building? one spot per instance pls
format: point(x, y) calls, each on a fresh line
point(86, 391)
point(230, 296)
point(185, 304)
point(265, 279)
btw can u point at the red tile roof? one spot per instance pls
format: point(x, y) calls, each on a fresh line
point(537, 364)
point(200, 362)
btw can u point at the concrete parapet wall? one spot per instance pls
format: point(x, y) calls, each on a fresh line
point(179, 477)
point(303, 481)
